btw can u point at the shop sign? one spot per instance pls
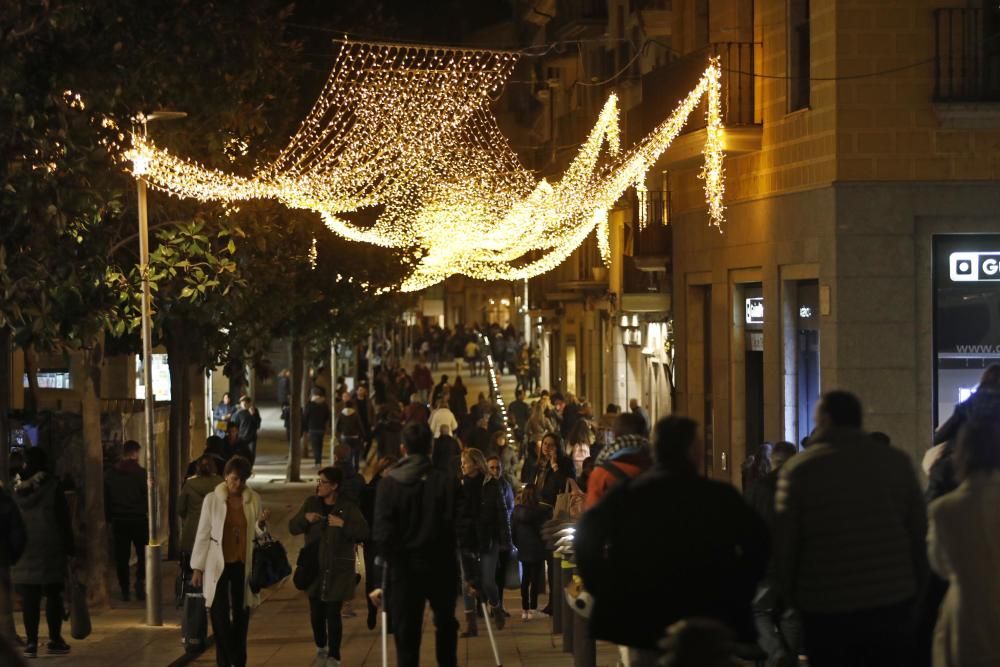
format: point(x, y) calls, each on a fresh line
point(755, 310)
point(968, 267)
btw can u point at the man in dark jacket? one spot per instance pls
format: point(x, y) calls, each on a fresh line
point(315, 421)
point(247, 419)
point(850, 541)
point(414, 534)
point(125, 504)
point(447, 456)
point(667, 546)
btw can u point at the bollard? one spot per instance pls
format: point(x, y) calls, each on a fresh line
point(584, 647)
point(565, 578)
point(555, 598)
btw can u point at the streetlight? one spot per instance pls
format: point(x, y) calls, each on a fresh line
point(631, 338)
point(154, 613)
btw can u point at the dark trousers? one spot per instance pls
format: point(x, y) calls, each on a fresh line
point(230, 617)
point(327, 626)
point(532, 583)
point(503, 561)
point(31, 605)
point(779, 630)
point(316, 440)
point(877, 637)
point(411, 586)
point(129, 533)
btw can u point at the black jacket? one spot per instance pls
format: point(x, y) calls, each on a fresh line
point(249, 423)
point(550, 483)
point(315, 416)
point(493, 527)
point(125, 491)
point(526, 529)
point(470, 507)
point(668, 546)
point(415, 513)
point(447, 456)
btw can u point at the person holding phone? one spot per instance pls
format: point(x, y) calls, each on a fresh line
point(337, 524)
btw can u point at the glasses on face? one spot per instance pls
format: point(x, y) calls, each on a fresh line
point(325, 482)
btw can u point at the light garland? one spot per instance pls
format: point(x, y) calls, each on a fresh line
point(408, 130)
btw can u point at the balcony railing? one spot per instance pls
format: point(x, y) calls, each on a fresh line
point(967, 56)
point(657, 208)
point(664, 87)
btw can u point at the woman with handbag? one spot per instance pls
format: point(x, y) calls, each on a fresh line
point(332, 525)
point(222, 413)
point(222, 559)
point(526, 529)
point(554, 470)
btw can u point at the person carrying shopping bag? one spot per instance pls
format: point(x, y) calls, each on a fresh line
point(222, 559)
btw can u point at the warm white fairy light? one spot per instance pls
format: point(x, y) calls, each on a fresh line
point(409, 130)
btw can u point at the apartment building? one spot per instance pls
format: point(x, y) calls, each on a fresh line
point(859, 248)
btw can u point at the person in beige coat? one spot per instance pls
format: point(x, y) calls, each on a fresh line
point(963, 544)
point(222, 559)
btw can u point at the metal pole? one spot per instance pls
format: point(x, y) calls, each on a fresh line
point(333, 397)
point(154, 613)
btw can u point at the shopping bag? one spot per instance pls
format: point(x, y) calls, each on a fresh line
point(307, 566)
point(79, 612)
point(270, 563)
point(512, 577)
point(569, 503)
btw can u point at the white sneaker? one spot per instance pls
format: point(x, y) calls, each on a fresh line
point(332, 662)
point(525, 615)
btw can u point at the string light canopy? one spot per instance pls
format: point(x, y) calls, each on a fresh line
point(405, 133)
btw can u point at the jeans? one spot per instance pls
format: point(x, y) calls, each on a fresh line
point(129, 533)
point(532, 583)
point(876, 637)
point(500, 576)
point(779, 630)
point(31, 603)
point(230, 617)
point(316, 440)
point(327, 626)
point(482, 567)
point(412, 583)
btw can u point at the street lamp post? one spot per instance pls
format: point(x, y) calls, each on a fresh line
point(154, 612)
point(631, 338)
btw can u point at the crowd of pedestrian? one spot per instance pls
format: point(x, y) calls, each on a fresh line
point(827, 551)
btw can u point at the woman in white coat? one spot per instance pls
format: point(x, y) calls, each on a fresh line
point(964, 548)
point(222, 559)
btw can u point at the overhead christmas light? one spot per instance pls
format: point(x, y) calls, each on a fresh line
point(406, 133)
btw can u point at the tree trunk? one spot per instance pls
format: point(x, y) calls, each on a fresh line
point(199, 417)
point(293, 472)
point(92, 552)
point(31, 370)
point(6, 606)
point(180, 343)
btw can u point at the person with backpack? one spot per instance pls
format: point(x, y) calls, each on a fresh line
point(415, 536)
point(625, 458)
point(667, 546)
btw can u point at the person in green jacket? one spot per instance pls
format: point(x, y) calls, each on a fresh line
point(337, 525)
point(189, 504)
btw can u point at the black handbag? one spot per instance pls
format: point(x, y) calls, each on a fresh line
point(270, 563)
point(307, 566)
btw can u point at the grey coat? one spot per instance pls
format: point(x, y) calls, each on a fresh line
point(336, 578)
